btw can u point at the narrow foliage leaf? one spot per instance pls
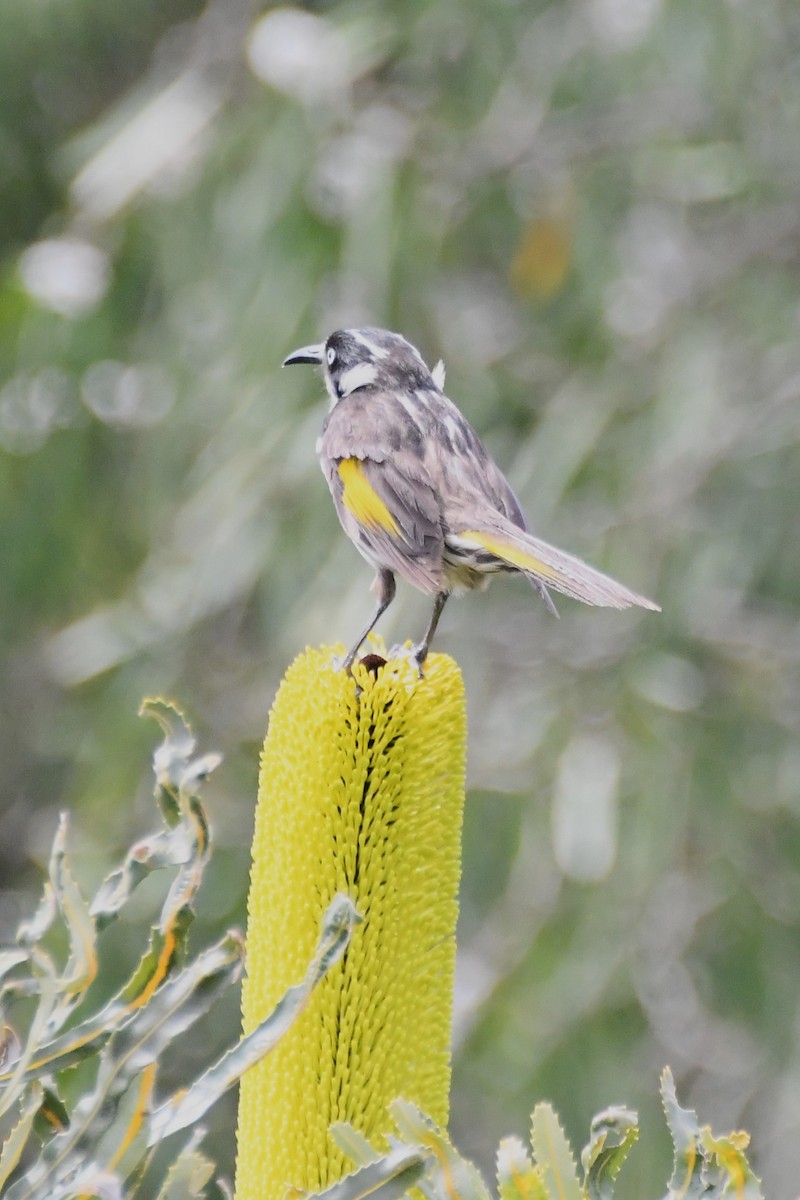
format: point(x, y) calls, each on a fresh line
point(12, 1081)
point(33, 930)
point(52, 1116)
point(88, 1151)
point(448, 1175)
point(178, 774)
point(170, 1012)
point(92, 1182)
point(90, 1035)
point(167, 848)
point(10, 1047)
point(553, 1155)
point(123, 1144)
point(10, 960)
point(517, 1177)
point(81, 966)
point(727, 1168)
point(17, 1139)
point(189, 1174)
point(166, 950)
point(186, 1107)
point(613, 1134)
point(686, 1179)
point(352, 1143)
point(387, 1178)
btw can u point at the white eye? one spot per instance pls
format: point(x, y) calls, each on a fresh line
point(331, 356)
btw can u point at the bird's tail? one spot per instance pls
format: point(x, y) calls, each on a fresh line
point(547, 567)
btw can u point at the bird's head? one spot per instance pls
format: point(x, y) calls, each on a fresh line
point(352, 359)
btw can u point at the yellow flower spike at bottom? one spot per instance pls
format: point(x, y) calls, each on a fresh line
point(361, 791)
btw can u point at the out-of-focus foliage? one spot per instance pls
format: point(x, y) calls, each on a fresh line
point(703, 1165)
point(589, 209)
point(77, 1096)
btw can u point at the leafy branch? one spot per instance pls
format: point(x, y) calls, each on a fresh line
point(104, 1142)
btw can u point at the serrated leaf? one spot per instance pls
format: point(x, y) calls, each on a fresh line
point(91, 1182)
point(167, 848)
point(167, 947)
point(727, 1168)
point(10, 1047)
point(81, 966)
point(52, 1116)
point(341, 918)
point(686, 1180)
point(90, 1035)
point(352, 1143)
point(123, 1144)
point(185, 842)
point(33, 930)
point(13, 1081)
point(170, 1012)
point(186, 1107)
point(612, 1135)
point(517, 1177)
point(448, 1174)
point(166, 950)
point(553, 1155)
point(15, 1143)
point(387, 1178)
point(189, 1173)
point(178, 774)
point(10, 960)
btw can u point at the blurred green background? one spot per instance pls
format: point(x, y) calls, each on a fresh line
point(591, 210)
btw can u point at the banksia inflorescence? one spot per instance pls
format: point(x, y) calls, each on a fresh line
point(361, 791)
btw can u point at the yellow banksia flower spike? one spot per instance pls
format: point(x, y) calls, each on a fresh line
point(361, 791)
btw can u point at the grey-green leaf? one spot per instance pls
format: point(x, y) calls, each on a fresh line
point(686, 1180)
point(553, 1154)
point(189, 1106)
point(613, 1133)
point(387, 1178)
point(189, 1173)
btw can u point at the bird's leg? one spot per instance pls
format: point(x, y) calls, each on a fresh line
point(384, 588)
point(548, 599)
point(421, 651)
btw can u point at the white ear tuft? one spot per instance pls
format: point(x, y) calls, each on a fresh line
point(361, 375)
point(438, 375)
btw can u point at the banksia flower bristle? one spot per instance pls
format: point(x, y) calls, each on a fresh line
point(361, 791)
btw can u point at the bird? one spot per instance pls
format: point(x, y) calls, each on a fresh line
point(416, 490)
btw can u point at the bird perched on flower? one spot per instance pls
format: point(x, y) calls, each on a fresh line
point(416, 490)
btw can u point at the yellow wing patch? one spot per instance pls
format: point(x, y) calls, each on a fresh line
point(360, 498)
point(511, 554)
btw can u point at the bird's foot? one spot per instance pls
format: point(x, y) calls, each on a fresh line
point(417, 653)
point(420, 654)
point(344, 663)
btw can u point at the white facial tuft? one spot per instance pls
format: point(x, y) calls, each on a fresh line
point(361, 375)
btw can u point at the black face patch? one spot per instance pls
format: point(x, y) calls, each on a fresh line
point(396, 363)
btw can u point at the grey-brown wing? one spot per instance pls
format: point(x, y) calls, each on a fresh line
point(391, 512)
point(466, 474)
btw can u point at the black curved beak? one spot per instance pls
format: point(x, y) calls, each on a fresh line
point(306, 354)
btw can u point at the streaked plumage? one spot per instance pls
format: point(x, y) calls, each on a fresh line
point(416, 490)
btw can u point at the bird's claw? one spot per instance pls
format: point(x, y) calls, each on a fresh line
point(417, 653)
point(343, 664)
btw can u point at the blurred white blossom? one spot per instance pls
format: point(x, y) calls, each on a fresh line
point(67, 275)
